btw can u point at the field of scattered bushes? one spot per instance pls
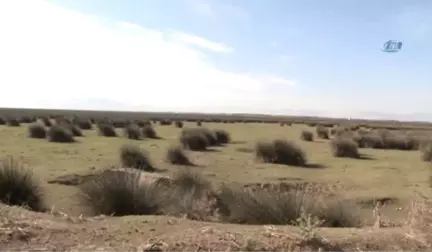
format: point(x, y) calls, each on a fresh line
point(317, 176)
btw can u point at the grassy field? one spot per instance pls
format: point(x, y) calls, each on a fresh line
point(392, 177)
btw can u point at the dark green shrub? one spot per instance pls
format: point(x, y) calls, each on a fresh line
point(107, 130)
point(307, 135)
point(133, 157)
point(132, 131)
point(18, 186)
point(36, 130)
point(177, 156)
point(280, 152)
point(344, 147)
point(60, 134)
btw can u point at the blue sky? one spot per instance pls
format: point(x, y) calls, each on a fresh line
point(263, 56)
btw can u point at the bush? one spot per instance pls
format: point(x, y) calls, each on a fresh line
point(18, 186)
point(198, 123)
point(149, 132)
point(12, 122)
point(60, 134)
point(107, 130)
point(37, 130)
point(307, 135)
point(133, 157)
point(194, 139)
point(179, 124)
point(119, 194)
point(322, 132)
point(132, 131)
point(427, 153)
point(2, 121)
point(222, 136)
point(73, 129)
point(46, 121)
point(177, 156)
point(280, 152)
point(26, 119)
point(209, 135)
point(344, 147)
point(119, 123)
point(83, 124)
point(165, 122)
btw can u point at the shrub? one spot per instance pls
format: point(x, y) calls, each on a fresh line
point(194, 139)
point(18, 186)
point(46, 121)
point(344, 147)
point(133, 157)
point(165, 122)
point(177, 156)
point(83, 124)
point(198, 123)
point(280, 152)
point(12, 122)
point(26, 119)
point(149, 132)
point(322, 132)
point(132, 131)
point(37, 130)
point(60, 134)
point(2, 121)
point(222, 136)
point(179, 124)
point(307, 135)
point(427, 153)
point(74, 130)
point(119, 194)
point(119, 123)
point(209, 135)
point(107, 130)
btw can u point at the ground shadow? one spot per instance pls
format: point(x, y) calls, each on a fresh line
point(238, 142)
point(365, 157)
point(315, 166)
point(211, 150)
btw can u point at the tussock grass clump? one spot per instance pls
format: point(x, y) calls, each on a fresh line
point(322, 132)
point(345, 147)
point(149, 132)
point(2, 121)
point(37, 130)
point(60, 134)
point(26, 119)
point(74, 129)
point(177, 156)
point(107, 130)
point(179, 124)
point(132, 131)
point(12, 122)
point(210, 135)
point(222, 136)
point(18, 186)
point(194, 139)
point(83, 124)
point(199, 123)
point(132, 156)
point(426, 153)
point(280, 152)
point(120, 194)
point(46, 121)
point(268, 206)
point(307, 135)
point(119, 123)
point(165, 122)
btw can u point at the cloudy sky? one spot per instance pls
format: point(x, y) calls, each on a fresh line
point(256, 56)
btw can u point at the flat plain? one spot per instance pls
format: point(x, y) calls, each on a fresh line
point(394, 178)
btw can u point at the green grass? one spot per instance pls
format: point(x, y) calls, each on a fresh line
point(386, 173)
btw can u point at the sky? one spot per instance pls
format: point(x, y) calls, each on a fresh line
point(233, 56)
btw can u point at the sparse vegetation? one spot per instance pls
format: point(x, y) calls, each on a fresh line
point(37, 130)
point(132, 156)
point(280, 152)
point(18, 185)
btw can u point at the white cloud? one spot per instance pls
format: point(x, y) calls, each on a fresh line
point(218, 9)
point(201, 42)
point(50, 55)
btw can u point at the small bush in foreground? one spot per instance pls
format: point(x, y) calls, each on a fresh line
point(59, 134)
point(120, 194)
point(322, 132)
point(37, 130)
point(18, 186)
point(132, 131)
point(307, 135)
point(133, 157)
point(344, 147)
point(12, 122)
point(280, 152)
point(194, 139)
point(149, 132)
point(222, 136)
point(177, 156)
point(106, 130)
